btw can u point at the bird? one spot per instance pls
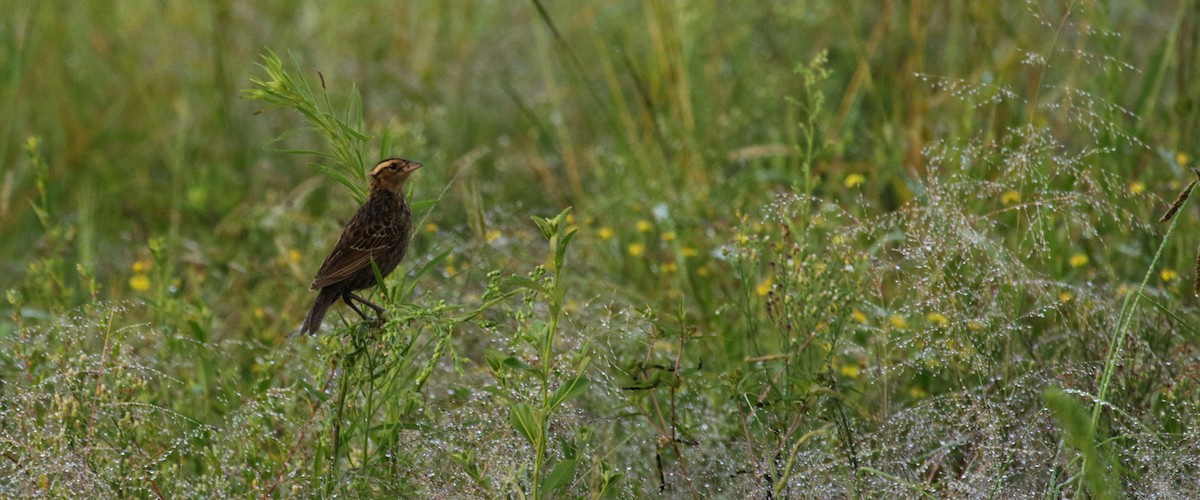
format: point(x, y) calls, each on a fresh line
point(378, 233)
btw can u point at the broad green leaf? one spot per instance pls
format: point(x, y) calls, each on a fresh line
point(523, 421)
point(568, 390)
point(560, 477)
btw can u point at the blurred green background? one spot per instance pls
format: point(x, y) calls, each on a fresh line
point(807, 233)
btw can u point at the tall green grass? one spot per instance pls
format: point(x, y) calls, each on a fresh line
point(822, 249)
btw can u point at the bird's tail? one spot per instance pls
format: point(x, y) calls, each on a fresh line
point(312, 323)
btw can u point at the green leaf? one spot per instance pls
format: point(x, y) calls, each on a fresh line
point(560, 477)
point(1078, 433)
point(522, 419)
point(417, 206)
point(313, 392)
point(545, 225)
point(516, 364)
point(523, 282)
point(570, 389)
point(494, 359)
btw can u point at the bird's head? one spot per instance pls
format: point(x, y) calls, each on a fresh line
point(391, 173)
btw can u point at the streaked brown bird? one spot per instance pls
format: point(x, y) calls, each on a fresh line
point(379, 233)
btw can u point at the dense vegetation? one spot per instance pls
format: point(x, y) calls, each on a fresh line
point(783, 249)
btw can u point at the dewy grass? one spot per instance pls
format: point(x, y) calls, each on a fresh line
point(1130, 307)
point(762, 297)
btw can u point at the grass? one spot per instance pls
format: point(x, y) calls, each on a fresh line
point(831, 250)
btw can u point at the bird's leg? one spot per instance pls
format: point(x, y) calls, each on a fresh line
point(351, 295)
point(346, 299)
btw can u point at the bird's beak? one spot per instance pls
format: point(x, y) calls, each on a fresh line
point(412, 165)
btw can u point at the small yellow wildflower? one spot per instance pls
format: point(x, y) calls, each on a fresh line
point(897, 321)
point(139, 282)
point(668, 236)
point(670, 267)
point(1065, 297)
point(605, 233)
point(636, 249)
point(1183, 159)
point(493, 235)
point(644, 226)
point(764, 286)
point(854, 180)
point(450, 270)
point(431, 228)
point(974, 325)
point(140, 266)
point(1137, 187)
point(1078, 260)
point(294, 256)
point(1168, 275)
point(703, 272)
point(917, 392)
point(1010, 197)
point(689, 252)
point(849, 371)
point(938, 319)
point(570, 218)
point(259, 313)
point(858, 317)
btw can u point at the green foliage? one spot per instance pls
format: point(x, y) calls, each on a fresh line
point(1098, 474)
point(346, 141)
point(829, 249)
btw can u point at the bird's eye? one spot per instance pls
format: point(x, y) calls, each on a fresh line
point(393, 166)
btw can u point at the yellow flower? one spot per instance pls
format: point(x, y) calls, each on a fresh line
point(643, 226)
point(294, 256)
point(850, 371)
point(450, 270)
point(605, 233)
point(703, 272)
point(570, 218)
point(897, 321)
point(139, 282)
point(1182, 159)
point(431, 228)
point(689, 251)
point(1065, 297)
point(1078, 260)
point(636, 249)
point(1168, 275)
point(259, 313)
point(493, 235)
point(140, 266)
point(764, 287)
point(854, 180)
point(670, 267)
point(974, 325)
point(668, 236)
point(858, 316)
point(917, 392)
point(1010, 197)
point(1137, 187)
point(938, 319)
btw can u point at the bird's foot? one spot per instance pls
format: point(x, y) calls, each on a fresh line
point(350, 297)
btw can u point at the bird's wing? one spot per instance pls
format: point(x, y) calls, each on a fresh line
point(361, 239)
